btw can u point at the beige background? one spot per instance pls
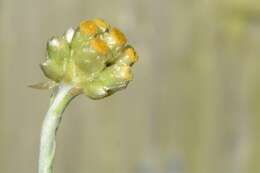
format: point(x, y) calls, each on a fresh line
point(194, 106)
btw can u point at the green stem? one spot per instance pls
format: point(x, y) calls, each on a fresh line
point(50, 126)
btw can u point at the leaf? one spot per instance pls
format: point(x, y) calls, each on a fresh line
point(44, 85)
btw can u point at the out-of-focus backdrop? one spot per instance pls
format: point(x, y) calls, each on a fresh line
point(193, 107)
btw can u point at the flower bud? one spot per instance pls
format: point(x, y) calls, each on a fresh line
point(94, 57)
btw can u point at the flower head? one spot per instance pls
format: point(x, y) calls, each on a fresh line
point(94, 57)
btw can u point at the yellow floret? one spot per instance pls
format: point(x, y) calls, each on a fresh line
point(103, 25)
point(118, 36)
point(100, 46)
point(88, 27)
point(126, 73)
point(132, 55)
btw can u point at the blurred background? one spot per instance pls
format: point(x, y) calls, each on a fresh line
point(193, 107)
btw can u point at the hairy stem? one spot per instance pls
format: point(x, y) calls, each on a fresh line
point(50, 126)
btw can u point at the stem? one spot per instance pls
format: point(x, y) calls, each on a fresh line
point(50, 126)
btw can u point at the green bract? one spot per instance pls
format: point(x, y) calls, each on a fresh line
point(94, 57)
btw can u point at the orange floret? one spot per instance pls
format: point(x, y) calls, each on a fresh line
point(118, 36)
point(100, 46)
point(88, 27)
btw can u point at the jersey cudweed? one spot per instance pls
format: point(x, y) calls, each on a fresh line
point(94, 57)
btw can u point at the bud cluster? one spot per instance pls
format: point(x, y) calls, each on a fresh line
point(94, 57)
